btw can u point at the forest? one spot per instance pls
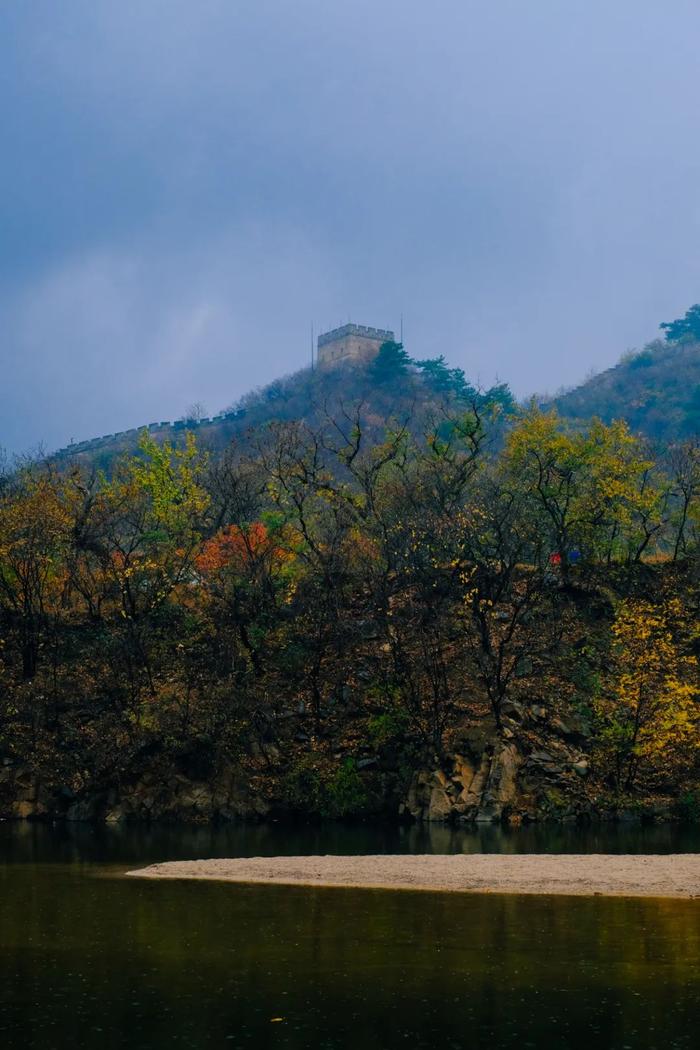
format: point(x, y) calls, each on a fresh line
point(319, 611)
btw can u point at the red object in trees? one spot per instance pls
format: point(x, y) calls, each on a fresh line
point(555, 559)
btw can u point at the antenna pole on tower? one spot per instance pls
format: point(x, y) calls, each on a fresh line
point(312, 346)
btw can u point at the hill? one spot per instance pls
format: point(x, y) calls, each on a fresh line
point(390, 388)
point(656, 391)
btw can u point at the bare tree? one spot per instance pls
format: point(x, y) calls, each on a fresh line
point(195, 413)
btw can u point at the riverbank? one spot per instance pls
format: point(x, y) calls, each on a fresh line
point(669, 875)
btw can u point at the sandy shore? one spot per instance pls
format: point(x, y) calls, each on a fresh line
point(672, 875)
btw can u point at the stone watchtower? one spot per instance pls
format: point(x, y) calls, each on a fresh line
point(352, 342)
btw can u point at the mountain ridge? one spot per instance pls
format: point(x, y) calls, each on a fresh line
point(655, 390)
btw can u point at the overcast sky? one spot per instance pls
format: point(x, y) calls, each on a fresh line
point(186, 185)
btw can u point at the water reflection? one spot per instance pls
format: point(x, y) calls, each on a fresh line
point(22, 842)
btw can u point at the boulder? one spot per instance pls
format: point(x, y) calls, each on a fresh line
point(574, 727)
point(473, 788)
point(429, 797)
point(116, 815)
point(22, 810)
point(440, 805)
point(513, 710)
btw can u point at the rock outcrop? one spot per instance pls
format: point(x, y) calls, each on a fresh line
point(156, 795)
point(485, 790)
point(21, 793)
point(503, 779)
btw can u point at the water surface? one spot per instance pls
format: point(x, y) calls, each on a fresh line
point(90, 959)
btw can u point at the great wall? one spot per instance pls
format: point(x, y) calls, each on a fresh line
point(155, 428)
point(349, 342)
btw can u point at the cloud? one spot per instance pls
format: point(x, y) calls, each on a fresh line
point(186, 187)
point(116, 339)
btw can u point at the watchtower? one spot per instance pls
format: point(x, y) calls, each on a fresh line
point(352, 342)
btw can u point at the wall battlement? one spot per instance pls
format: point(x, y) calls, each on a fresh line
point(165, 429)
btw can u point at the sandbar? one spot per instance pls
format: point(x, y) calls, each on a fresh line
point(617, 875)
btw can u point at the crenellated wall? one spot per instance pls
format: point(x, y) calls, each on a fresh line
point(178, 425)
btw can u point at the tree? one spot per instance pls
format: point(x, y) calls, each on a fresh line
point(684, 469)
point(649, 718)
point(35, 525)
point(444, 380)
point(195, 413)
point(246, 571)
point(500, 397)
point(590, 491)
point(138, 547)
point(330, 584)
point(391, 362)
point(687, 327)
point(422, 550)
point(510, 609)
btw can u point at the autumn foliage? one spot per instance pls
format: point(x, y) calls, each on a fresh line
point(316, 598)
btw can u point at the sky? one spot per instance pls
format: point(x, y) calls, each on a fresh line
point(187, 187)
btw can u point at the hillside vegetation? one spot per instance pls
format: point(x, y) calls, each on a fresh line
point(350, 618)
point(392, 387)
point(656, 390)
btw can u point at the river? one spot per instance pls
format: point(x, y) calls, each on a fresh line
point(89, 958)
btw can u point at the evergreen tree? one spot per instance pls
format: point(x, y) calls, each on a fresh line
point(436, 373)
point(683, 327)
point(444, 380)
point(500, 396)
point(391, 362)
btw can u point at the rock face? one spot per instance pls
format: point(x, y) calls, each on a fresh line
point(501, 781)
point(21, 795)
point(500, 793)
point(154, 796)
point(483, 791)
point(536, 767)
point(178, 798)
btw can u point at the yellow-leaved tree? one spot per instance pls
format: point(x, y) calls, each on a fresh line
point(593, 490)
point(650, 711)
